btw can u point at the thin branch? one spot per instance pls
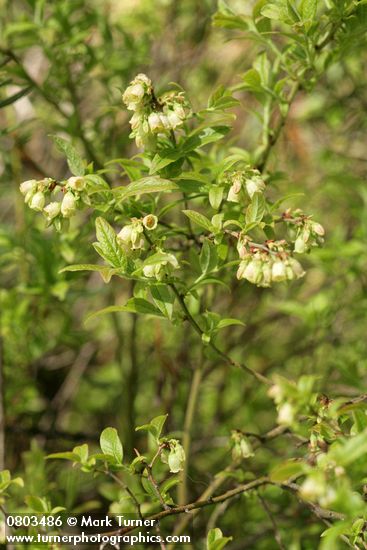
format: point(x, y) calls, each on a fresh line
point(155, 486)
point(277, 535)
point(226, 357)
point(125, 488)
point(184, 509)
point(186, 439)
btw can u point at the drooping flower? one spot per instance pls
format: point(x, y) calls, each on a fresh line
point(52, 210)
point(68, 205)
point(37, 201)
point(76, 183)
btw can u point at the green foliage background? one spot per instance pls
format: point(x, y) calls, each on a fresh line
point(63, 67)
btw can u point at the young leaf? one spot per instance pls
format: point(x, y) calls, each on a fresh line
point(215, 540)
point(106, 272)
point(36, 503)
point(108, 246)
point(67, 455)
point(151, 184)
point(111, 444)
point(154, 427)
point(228, 322)
point(216, 196)
point(73, 158)
point(199, 219)
point(133, 305)
point(308, 9)
point(208, 257)
point(256, 209)
point(163, 299)
point(287, 470)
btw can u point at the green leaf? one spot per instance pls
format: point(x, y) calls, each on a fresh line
point(106, 272)
point(36, 503)
point(228, 322)
point(256, 209)
point(134, 305)
point(208, 257)
point(252, 81)
point(82, 451)
point(157, 258)
point(287, 470)
point(155, 426)
point(199, 219)
point(68, 455)
point(111, 445)
point(215, 196)
point(108, 246)
point(308, 9)
point(275, 11)
point(330, 537)
point(163, 299)
point(150, 184)
point(221, 98)
point(215, 540)
point(75, 161)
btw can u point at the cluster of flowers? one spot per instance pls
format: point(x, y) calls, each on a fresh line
point(153, 116)
point(35, 193)
point(244, 183)
point(162, 268)
point(131, 235)
point(263, 265)
point(241, 447)
point(305, 232)
point(323, 488)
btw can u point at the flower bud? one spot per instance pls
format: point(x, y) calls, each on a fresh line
point(136, 240)
point(52, 210)
point(276, 392)
point(318, 229)
point(241, 269)
point(253, 272)
point(300, 246)
point(234, 192)
point(267, 275)
point(28, 186)
point(241, 446)
point(176, 456)
point(76, 183)
point(296, 267)
point(150, 222)
point(286, 414)
point(179, 111)
point(312, 488)
point(37, 201)
point(68, 205)
point(278, 271)
point(173, 119)
point(158, 122)
point(125, 234)
point(149, 271)
point(289, 272)
point(233, 195)
point(143, 79)
point(133, 96)
point(254, 185)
